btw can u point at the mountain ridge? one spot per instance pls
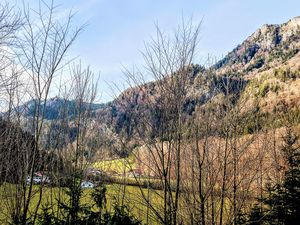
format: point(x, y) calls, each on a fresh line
point(54, 108)
point(270, 48)
point(266, 66)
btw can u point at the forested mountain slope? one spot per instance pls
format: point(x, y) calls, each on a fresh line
point(262, 72)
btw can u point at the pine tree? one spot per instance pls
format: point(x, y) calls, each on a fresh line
point(291, 184)
point(256, 216)
point(282, 203)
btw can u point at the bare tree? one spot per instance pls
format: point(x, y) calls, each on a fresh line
point(10, 24)
point(169, 63)
point(42, 47)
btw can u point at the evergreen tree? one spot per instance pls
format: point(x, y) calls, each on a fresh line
point(74, 212)
point(256, 216)
point(282, 203)
point(291, 184)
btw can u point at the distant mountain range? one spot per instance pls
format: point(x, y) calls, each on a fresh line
point(55, 108)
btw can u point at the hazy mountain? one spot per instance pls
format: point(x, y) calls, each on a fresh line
point(55, 108)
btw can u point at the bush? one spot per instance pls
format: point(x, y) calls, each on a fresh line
point(263, 89)
point(285, 74)
point(275, 88)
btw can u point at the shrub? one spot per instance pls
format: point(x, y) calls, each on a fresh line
point(275, 88)
point(263, 89)
point(285, 74)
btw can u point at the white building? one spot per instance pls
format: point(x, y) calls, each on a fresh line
point(87, 184)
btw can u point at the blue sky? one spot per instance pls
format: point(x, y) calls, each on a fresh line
point(117, 29)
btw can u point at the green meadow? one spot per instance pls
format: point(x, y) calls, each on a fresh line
point(117, 165)
point(133, 199)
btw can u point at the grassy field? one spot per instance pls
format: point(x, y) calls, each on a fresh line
point(116, 165)
point(133, 198)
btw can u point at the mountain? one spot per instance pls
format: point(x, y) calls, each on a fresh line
point(55, 108)
point(263, 71)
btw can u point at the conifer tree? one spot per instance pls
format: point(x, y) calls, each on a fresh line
point(282, 203)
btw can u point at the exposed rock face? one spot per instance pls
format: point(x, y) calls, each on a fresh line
point(269, 45)
point(291, 27)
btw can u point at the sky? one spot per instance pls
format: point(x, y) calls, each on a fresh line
point(117, 29)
